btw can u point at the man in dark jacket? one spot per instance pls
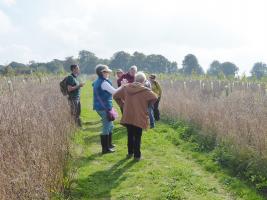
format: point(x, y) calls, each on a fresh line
point(74, 87)
point(129, 76)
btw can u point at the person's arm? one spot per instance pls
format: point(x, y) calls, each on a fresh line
point(119, 97)
point(120, 79)
point(151, 97)
point(109, 88)
point(72, 88)
point(71, 84)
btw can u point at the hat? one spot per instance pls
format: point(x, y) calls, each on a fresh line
point(102, 68)
point(106, 69)
point(152, 76)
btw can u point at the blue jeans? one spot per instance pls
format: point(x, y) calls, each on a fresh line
point(151, 116)
point(107, 126)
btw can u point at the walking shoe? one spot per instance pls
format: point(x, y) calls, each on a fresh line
point(128, 156)
point(110, 145)
point(137, 159)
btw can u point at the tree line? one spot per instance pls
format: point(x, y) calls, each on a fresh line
point(122, 60)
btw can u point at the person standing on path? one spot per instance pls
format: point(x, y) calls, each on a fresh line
point(136, 98)
point(150, 108)
point(156, 89)
point(102, 92)
point(74, 90)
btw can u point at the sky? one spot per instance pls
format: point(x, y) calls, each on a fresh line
point(223, 30)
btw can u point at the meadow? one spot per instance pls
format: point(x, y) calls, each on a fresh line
point(35, 129)
point(210, 144)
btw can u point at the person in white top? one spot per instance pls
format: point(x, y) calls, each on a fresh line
point(103, 91)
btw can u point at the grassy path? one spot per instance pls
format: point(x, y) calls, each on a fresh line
point(166, 171)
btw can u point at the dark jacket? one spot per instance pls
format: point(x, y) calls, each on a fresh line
point(126, 76)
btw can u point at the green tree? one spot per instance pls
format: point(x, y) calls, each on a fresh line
point(55, 66)
point(159, 64)
point(121, 60)
point(215, 68)
point(68, 62)
point(138, 59)
point(8, 71)
point(259, 70)
point(229, 69)
point(191, 65)
point(87, 62)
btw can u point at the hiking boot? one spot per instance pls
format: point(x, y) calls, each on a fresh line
point(128, 156)
point(104, 144)
point(110, 145)
point(137, 159)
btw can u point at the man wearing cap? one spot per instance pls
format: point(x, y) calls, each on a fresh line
point(156, 89)
point(129, 76)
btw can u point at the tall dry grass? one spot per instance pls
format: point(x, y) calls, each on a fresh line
point(236, 112)
point(35, 125)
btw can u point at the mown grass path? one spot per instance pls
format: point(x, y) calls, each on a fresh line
point(165, 172)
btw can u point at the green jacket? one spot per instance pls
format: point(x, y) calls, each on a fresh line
point(156, 88)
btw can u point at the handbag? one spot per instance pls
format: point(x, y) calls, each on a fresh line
point(112, 114)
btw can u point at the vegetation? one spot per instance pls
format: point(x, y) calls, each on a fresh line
point(231, 119)
point(172, 167)
point(123, 60)
point(35, 129)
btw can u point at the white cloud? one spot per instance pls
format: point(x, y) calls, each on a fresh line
point(22, 53)
point(5, 23)
point(9, 2)
point(223, 29)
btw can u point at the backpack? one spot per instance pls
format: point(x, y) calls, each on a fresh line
point(64, 87)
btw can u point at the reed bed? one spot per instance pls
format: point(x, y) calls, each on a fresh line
point(35, 128)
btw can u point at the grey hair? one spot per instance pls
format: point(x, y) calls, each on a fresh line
point(134, 67)
point(140, 77)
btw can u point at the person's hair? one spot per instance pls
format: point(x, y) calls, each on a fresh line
point(140, 77)
point(153, 76)
point(134, 67)
point(72, 67)
point(99, 68)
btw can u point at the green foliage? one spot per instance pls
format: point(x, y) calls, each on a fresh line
point(259, 70)
point(167, 171)
point(215, 68)
point(87, 62)
point(191, 65)
point(222, 70)
point(229, 69)
point(243, 163)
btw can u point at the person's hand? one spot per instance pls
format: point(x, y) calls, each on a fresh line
point(124, 82)
point(82, 84)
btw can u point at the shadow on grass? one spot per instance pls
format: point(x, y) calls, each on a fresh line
point(99, 184)
point(92, 122)
point(88, 140)
point(119, 132)
point(83, 161)
point(93, 129)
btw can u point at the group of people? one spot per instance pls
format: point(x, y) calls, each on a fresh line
point(137, 97)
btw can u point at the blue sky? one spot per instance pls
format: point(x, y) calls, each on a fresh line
point(226, 30)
